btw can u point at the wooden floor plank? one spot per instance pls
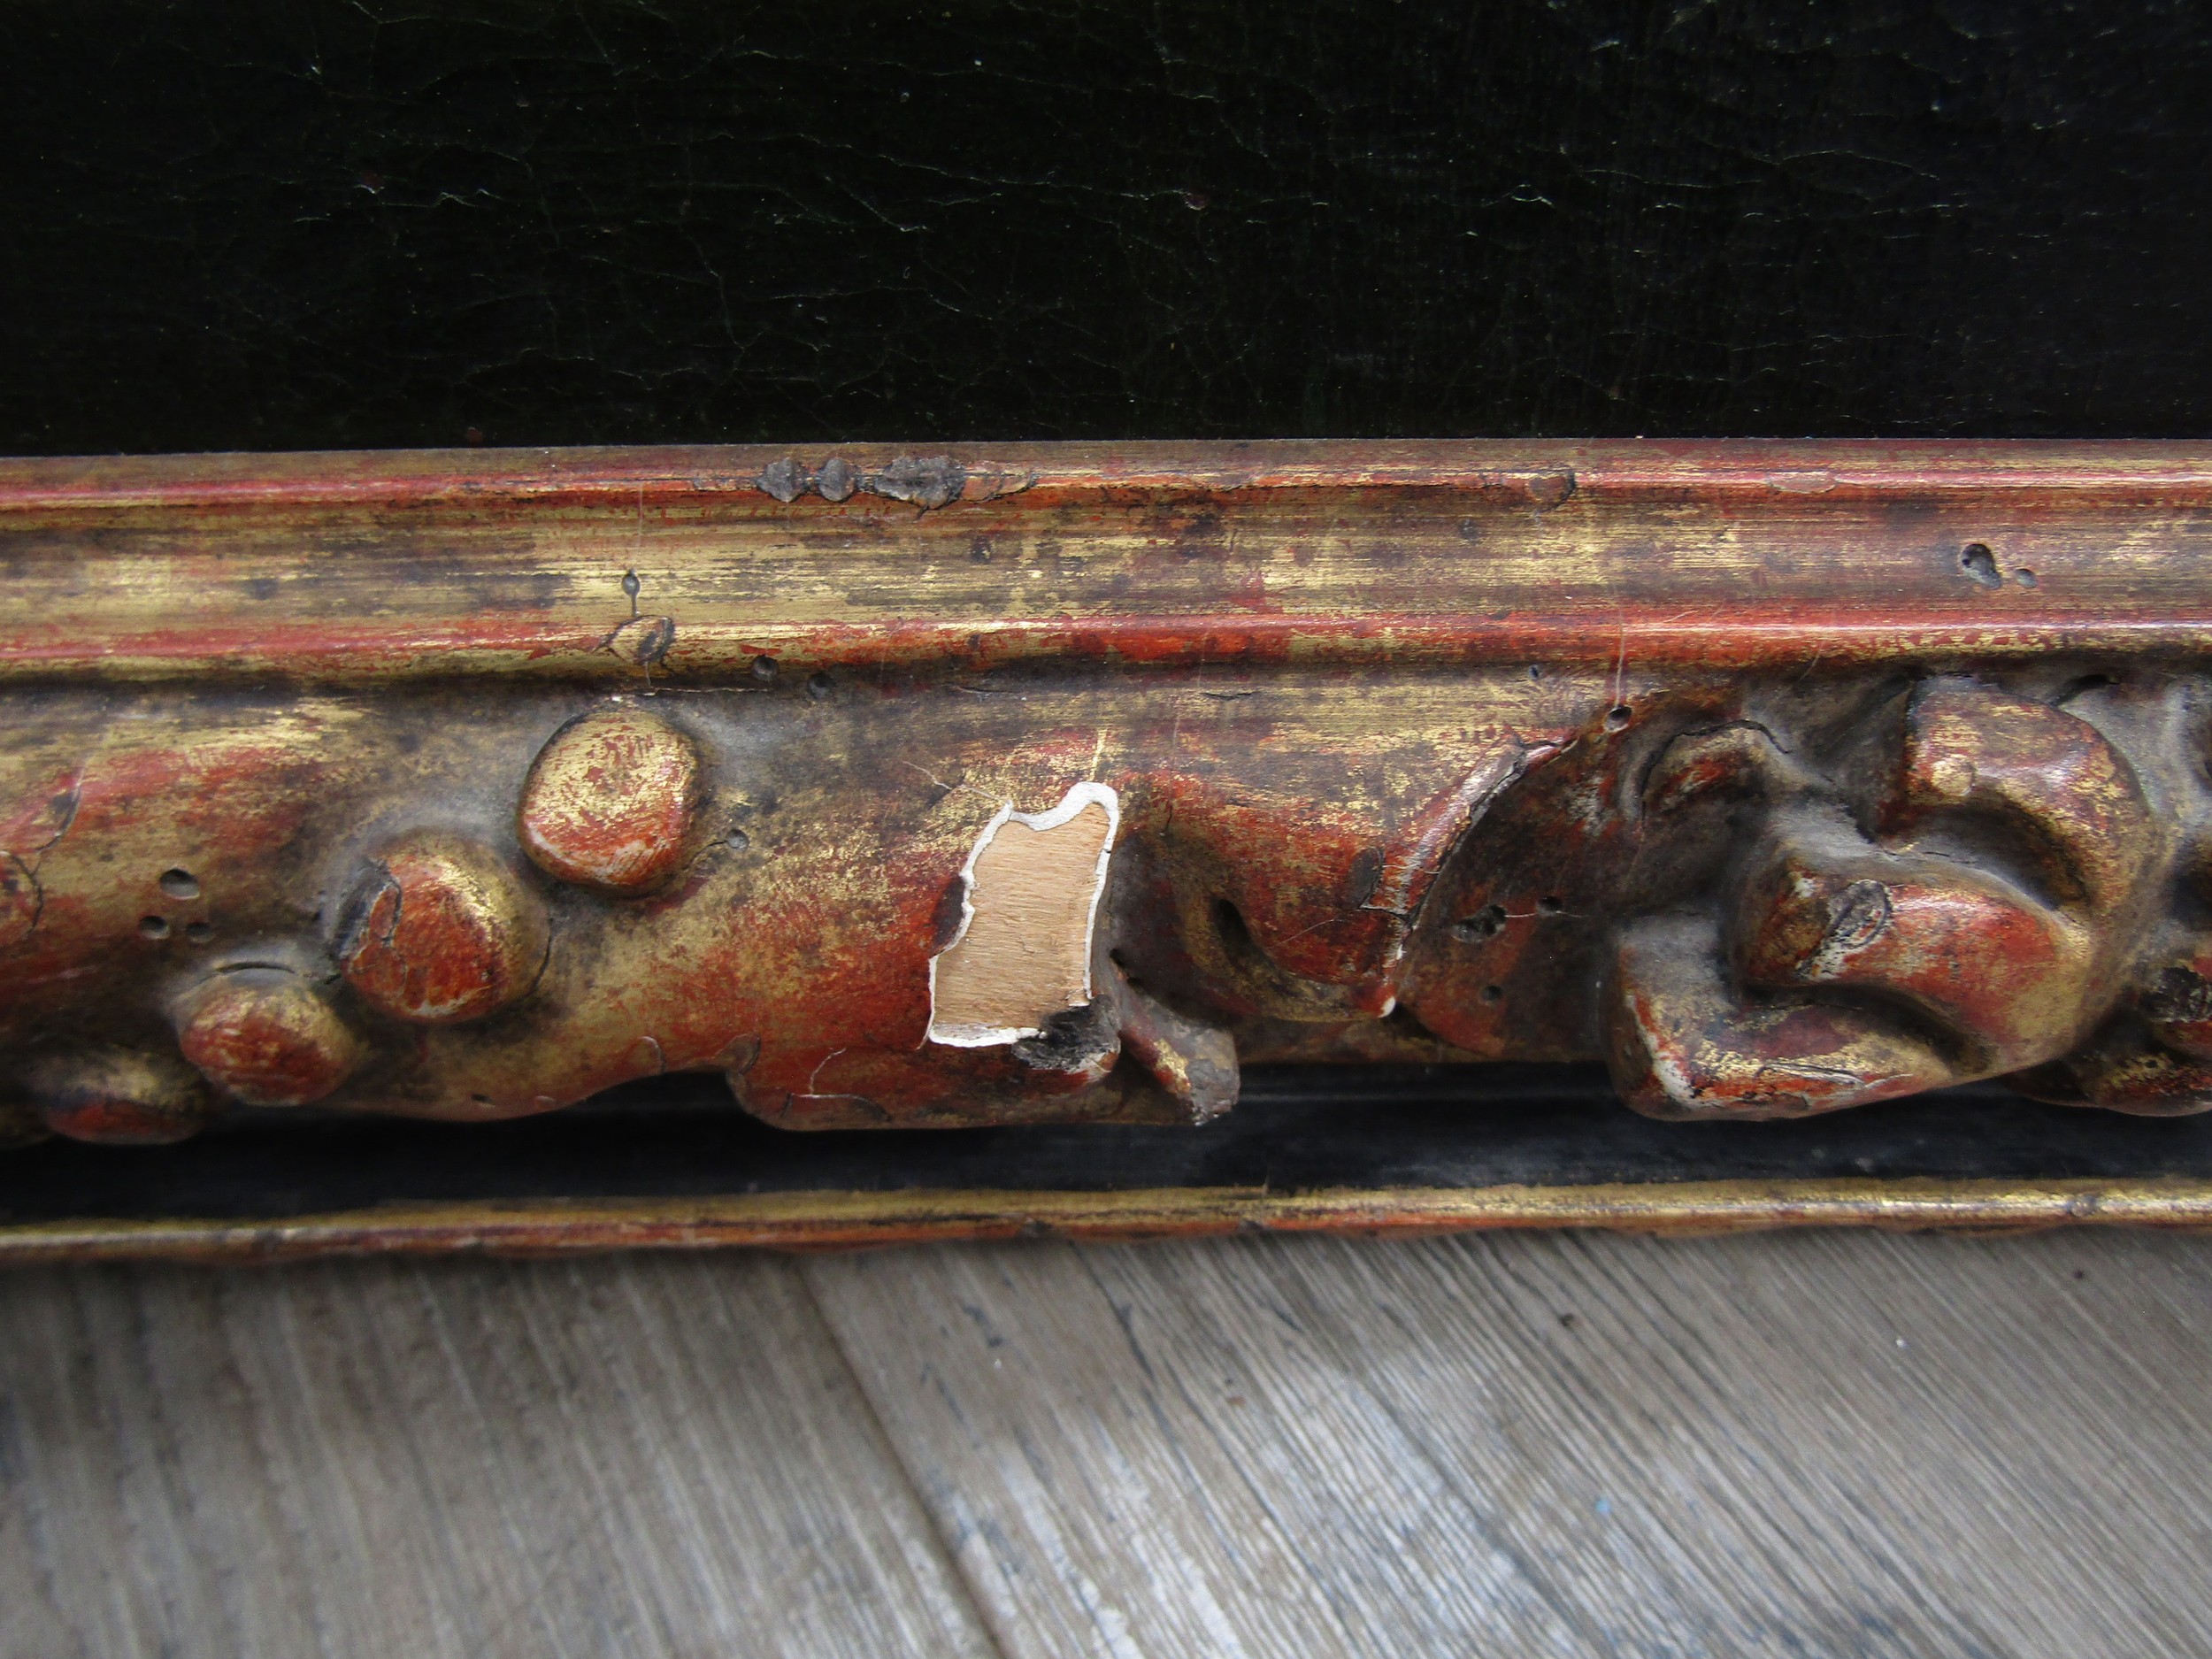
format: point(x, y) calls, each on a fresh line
point(1127, 1463)
point(1524, 1444)
point(1725, 1449)
point(1846, 1444)
point(637, 1456)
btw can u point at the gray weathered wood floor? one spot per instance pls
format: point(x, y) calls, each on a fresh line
point(1812, 1445)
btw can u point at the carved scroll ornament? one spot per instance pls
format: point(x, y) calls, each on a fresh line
point(1059, 784)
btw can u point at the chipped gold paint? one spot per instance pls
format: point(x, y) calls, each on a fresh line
point(1378, 712)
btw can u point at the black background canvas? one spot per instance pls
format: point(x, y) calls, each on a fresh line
point(283, 224)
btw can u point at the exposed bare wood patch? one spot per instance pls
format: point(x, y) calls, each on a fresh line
point(1024, 951)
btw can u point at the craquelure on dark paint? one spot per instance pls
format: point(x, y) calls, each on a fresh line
point(327, 224)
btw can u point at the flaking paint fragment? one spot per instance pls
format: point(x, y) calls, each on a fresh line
point(1029, 890)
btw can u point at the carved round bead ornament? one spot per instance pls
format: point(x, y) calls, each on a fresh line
point(119, 1096)
point(610, 802)
point(442, 931)
point(267, 1037)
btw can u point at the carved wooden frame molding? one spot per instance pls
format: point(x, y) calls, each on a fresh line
point(1056, 783)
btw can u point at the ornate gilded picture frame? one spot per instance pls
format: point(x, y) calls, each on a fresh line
point(1183, 834)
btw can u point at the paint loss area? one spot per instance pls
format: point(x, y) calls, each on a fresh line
point(1024, 951)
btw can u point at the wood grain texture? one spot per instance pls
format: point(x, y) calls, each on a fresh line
point(599, 1458)
point(1567, 1444)
point(1824, 1444)
point(1029, 904)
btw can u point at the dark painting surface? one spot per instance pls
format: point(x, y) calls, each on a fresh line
point(240, 223)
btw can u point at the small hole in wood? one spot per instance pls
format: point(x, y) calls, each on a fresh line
point(819, 686)
point(199, 933)
point(1551, 904)
point(2025, 578)
point(1229, 921)
point(737, 840)
point(154, 926)
point(1617, 716)
point(765, 670)
point(178, 883)
point(1492, 992)
point(1484, 924)
point(1980, 564)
